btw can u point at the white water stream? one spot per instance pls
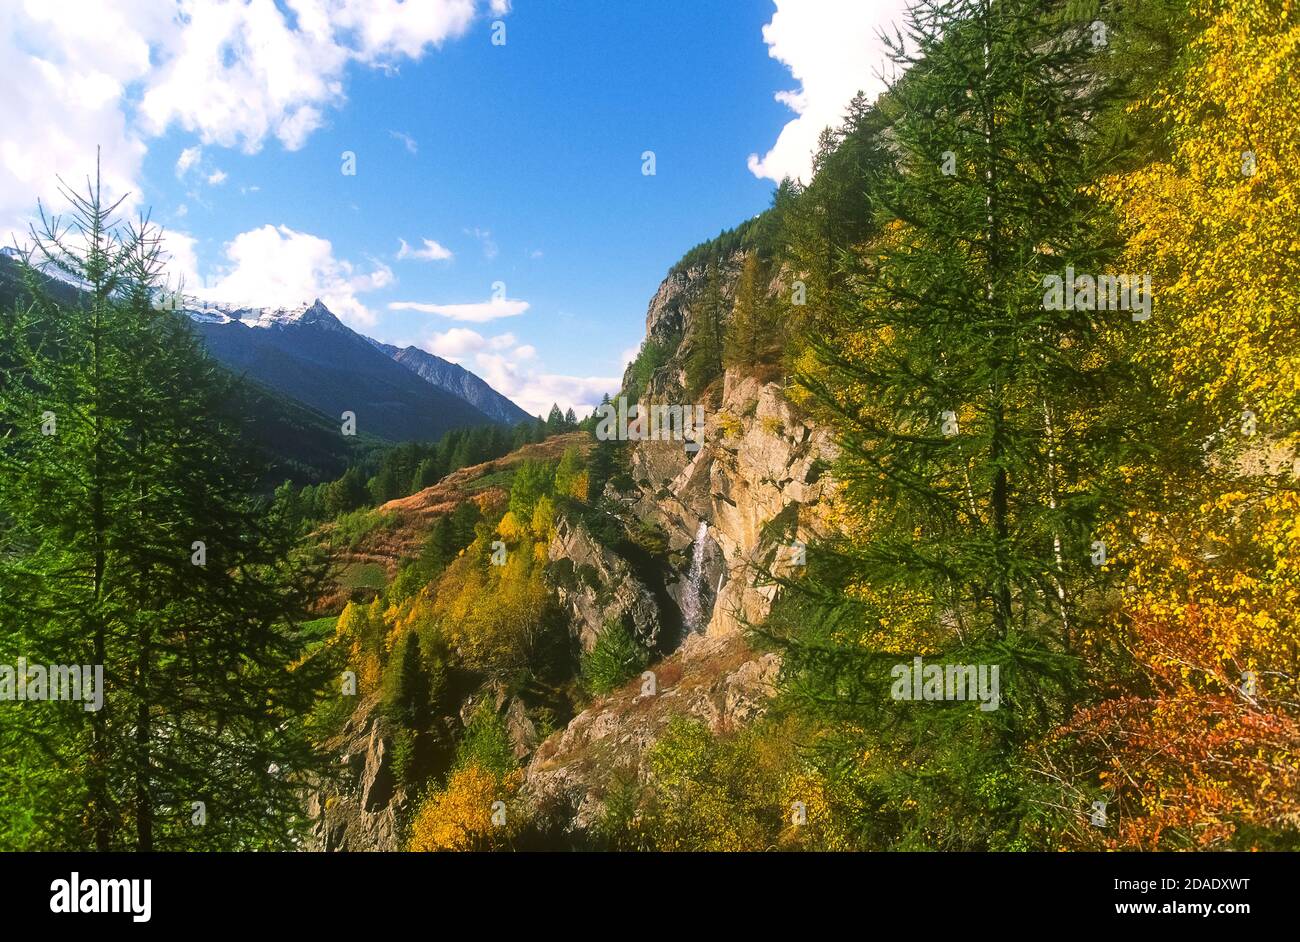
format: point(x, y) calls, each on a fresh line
point(692, 603)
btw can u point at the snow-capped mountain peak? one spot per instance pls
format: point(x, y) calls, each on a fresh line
point(212, 312)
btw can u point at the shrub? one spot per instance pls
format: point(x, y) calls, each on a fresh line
point(465, 814)
point(404, 763)
point(351, 528)
point(486, 743)
point(736, 793)
point(615, 658)
point(461, 815)
point(651, 537)
point(729, 424)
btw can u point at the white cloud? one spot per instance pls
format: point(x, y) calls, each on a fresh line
point(456, 343)
point(833, 49)
point(411, 146)
point(276, 265)
point(66, 70)
point(432, 251)
point(181, 261)
point(239, 73)
point(478, 313)
point(82, 73)
point(627, 356)
point(514, 375)
point(512, 369)
point(188, 158)
point(191, 158)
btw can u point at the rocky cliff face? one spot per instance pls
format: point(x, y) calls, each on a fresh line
point(597, 585)
point(718, 680)
point(458, 381)
point(759, 483)
point(756, 489)
point(668, 320)
point(359, 811)
point(733, 510)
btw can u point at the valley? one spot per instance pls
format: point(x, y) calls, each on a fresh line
point(873, 543)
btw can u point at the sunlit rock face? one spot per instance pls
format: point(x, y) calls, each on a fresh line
point(760, 482)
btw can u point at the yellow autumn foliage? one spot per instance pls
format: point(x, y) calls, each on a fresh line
point(510, 529)
point(461, 815)
point(543, 523)
point(1217, 224)
point(492, 616)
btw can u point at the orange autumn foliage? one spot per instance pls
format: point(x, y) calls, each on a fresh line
point(1203, 749)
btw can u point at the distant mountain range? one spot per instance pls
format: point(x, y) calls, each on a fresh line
point(310, 355)
point(458, 381)
point(307, 368)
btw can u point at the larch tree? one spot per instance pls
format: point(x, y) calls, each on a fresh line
point(133, 537)
point(704, 338)
point(982, 425)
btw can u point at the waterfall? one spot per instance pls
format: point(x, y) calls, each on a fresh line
point(692, 604)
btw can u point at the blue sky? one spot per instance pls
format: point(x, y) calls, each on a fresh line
point(519, 163)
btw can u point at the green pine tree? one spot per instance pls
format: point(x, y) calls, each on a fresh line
point(134, 539)
point(602, 462)
point(348, 493)
point(554, 420)
point(408, 687)
point(982, 430)
point(384, 486)
point(751, 334)
point(704, 337)
point(614, 658)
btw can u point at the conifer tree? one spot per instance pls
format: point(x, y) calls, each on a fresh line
point(133, 538)
point(383, 486)
point(704, 338)
point(602, 464)
point(348, 493)
point(982, 429)
point(408, 692)
point(750, 334)
point(426, 475)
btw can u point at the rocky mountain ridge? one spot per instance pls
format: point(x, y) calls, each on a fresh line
point(436, 371)
point(458, 381)
point(309, 355)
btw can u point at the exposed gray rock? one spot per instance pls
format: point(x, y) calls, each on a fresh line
point(719, 680)
point(763, 460)
point(377, 779)
point(668, 317)
point(599, 585)
point(521, 729)
point(360, 810)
